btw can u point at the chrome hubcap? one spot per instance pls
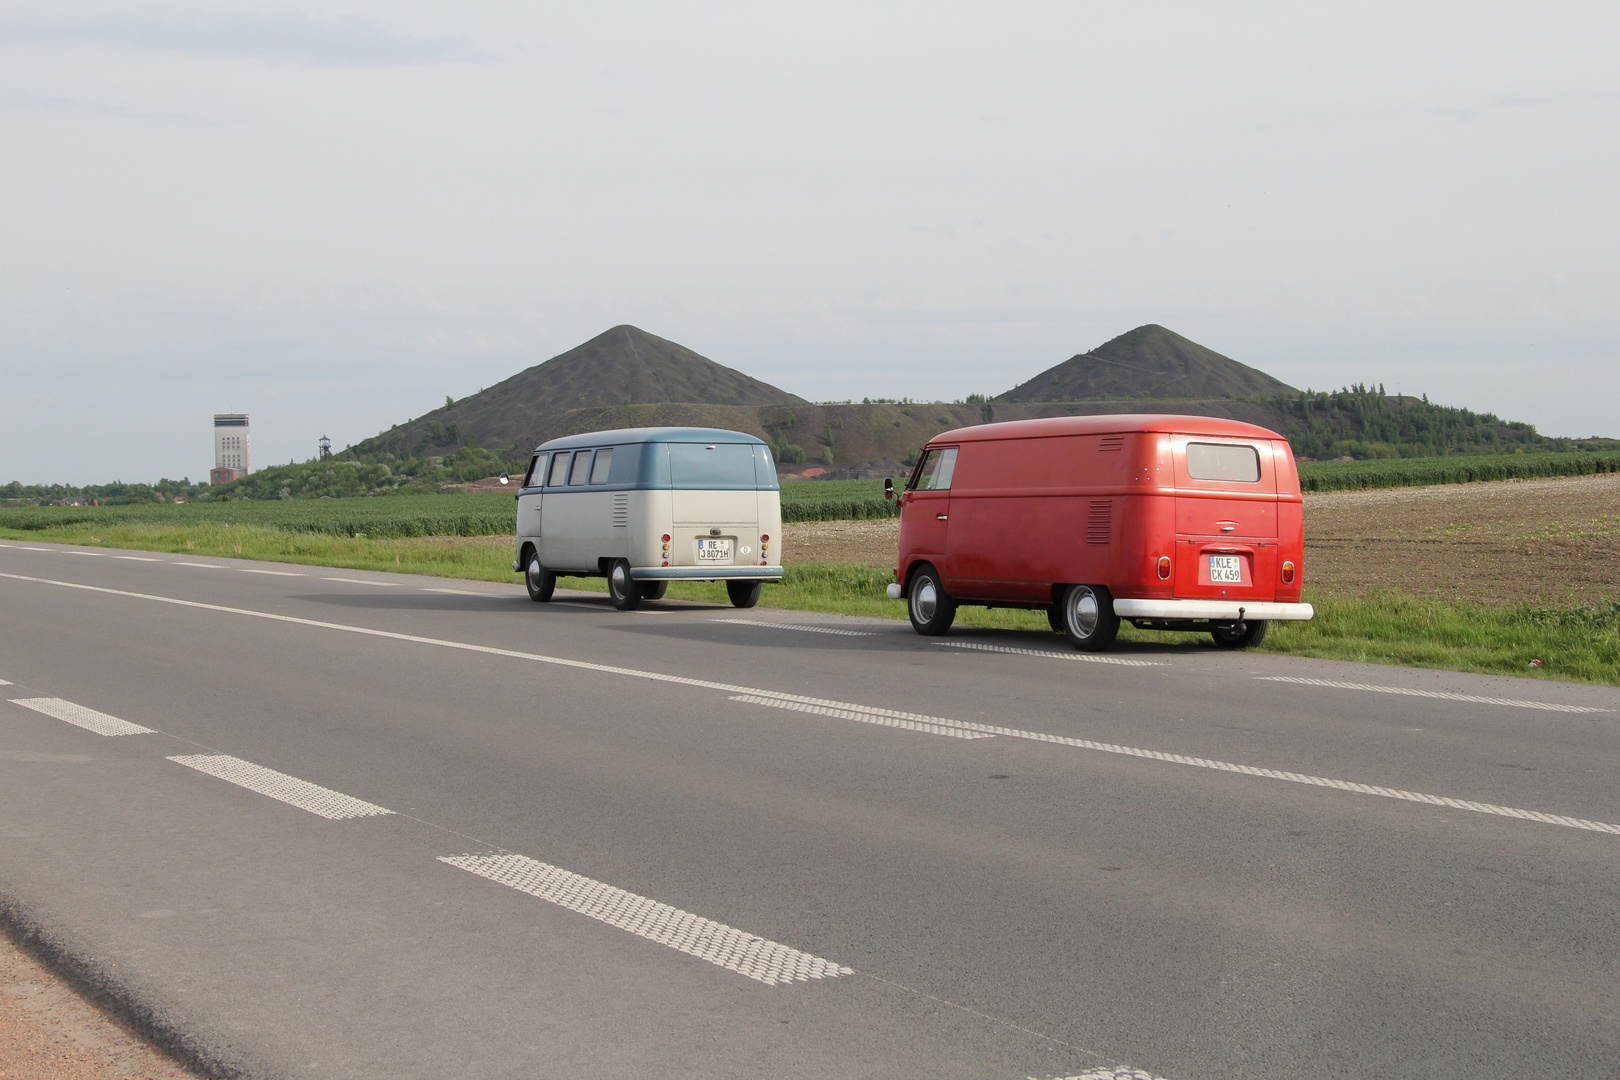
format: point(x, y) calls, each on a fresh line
point(534, 572)
point(1083, 612)
point(620, 578)
point(924, 600)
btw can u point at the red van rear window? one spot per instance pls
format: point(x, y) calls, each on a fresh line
point(1223, 461)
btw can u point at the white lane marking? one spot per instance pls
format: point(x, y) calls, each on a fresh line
point(1051, 654)
point(938, 727)
point(797, 626)
point(203, 565)
point(1121, 1072)
point(289, 789)
point(79, 716)
point(363, 581)
point(277, 573)
point(459, 592)
point(769, 962)
point(1015, 733)
point(35, 549)
point(4, 682)
point(136, 558)
point(94, 554)
point(1441, 694)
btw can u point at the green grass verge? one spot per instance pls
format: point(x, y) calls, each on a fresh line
point(1576, 644)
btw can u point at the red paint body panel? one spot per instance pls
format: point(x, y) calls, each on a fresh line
point(1035, 505)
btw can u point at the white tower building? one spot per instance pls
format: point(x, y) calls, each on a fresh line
point(230, 448)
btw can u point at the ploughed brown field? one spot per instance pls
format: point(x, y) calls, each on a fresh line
point(1553, 541)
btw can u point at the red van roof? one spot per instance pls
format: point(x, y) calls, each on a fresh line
point(1169, 423)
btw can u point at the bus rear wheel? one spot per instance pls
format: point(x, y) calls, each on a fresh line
point(623, 590)
point(744, 594)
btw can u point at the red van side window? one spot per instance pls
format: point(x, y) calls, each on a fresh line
point(934, 474)
point(1223, 461)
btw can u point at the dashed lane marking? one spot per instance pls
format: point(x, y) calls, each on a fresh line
point(278, 785)
point(729, 688)
point(931, 725)
point(1122, 1072)
point(1051, 654)
point(459, 592)
point(1549, 706)
point(203, 565)
point(761, 959)
point(79, 716)
point(4, 682)
point(797, 626)
point(277, 573)
point(93, 554)
point(137, 558)
point(363, 581)
point(35, 549)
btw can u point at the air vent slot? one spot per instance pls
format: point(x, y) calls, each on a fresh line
point(1112, 442)
point(1100, 521)
point(621, 510)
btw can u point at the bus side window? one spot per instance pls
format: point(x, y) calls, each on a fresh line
point(582, 468)
point(602, 467)
point(537, 471)
point(559, 469)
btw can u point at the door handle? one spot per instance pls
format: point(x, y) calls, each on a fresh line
point(940, 517)
point(1229, 527)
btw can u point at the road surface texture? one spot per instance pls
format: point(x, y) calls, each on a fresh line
point(294, 822)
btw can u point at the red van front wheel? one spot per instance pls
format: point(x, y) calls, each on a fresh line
point(932, 611)
point(1088, 617)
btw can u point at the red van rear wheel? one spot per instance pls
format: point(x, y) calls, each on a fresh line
point(1229, 637)
point(1088, 617)
point(931, 609)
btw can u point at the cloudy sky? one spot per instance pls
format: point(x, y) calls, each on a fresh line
point(334, 215)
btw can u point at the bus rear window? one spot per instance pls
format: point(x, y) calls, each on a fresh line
point(1223, 461)
point(712, 465)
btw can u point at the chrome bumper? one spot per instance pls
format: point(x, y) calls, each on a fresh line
point(706, 573)
point(1216, 610)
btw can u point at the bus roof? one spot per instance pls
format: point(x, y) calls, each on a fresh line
point(622, 436)
point(1046, 427)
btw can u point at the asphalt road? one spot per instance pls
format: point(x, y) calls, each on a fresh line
point(426, 828)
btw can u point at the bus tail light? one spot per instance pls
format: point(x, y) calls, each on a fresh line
point(1288, 573)
point(1164, 568)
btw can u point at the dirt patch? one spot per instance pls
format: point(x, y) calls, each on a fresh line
point(1549, 541)
point(864, 543)
point(47, 1032)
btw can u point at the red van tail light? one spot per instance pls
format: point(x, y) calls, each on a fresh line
point(1164, 568)
point(1288, 573)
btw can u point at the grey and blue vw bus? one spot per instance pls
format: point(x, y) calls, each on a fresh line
point(646, 506)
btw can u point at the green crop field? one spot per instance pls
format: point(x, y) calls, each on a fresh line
point(1461, 469)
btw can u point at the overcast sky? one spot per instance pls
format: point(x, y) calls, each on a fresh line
point(332, 216)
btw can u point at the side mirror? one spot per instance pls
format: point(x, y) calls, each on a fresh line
point(888, 488)
point(504, 479)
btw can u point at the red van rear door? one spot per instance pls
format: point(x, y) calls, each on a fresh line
point(1226, 518)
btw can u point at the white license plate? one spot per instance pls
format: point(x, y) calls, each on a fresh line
point(714, 550)
point(1226, 569)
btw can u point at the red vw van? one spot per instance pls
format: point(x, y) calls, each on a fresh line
point(1172, 522)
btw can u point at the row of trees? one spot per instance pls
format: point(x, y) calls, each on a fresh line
point(336, 476)
point(1360, 421)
